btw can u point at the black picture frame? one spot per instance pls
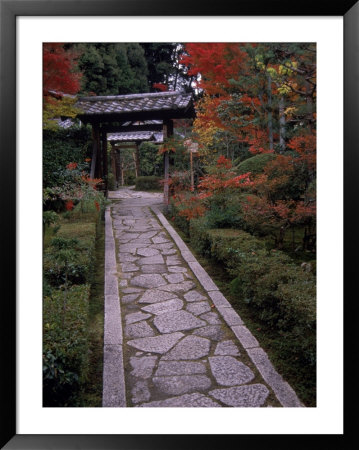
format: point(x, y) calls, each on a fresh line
point(9, 10)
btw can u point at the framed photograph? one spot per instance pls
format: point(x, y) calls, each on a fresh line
point(25, 26)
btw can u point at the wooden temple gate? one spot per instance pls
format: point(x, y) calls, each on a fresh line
point(134, 113)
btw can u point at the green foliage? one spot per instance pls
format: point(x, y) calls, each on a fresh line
point(255, 164)
point(111, 182)
point(280, 293)
point(49, 218)
point(224, 211)
point(65, 262)
point(69, 262)
point(151, 161)
point(60, 147)
point(65, 350)
point(150, 183)
point(112, 69)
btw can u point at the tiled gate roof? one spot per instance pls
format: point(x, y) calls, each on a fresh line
point(174, 104)
point(135, 136)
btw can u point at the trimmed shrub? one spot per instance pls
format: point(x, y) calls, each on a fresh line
point(69, 262)
point(281, 294)
point(255, 164)
point(150, 183)
point(200, 237)
point(224, 211)
point(65, 350)
point(61, 147)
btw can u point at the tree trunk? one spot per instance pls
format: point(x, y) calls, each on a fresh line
point(269, 110)
point(281, 125)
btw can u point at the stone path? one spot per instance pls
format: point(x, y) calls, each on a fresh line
point(171, 338)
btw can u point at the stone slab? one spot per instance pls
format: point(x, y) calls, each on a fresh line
point(173, 260)
point(130, 298)
point(156, 268)
point(195, 400)
point(142, 367)
point(213, 332)
point(176, 321)
point(283, 391)
point(163, 307)
point(174, 278)
point(170, 368)
point(131, 290)
point(226, 348)
point(138, 330)
point(230, 316)
point(136, 317)
point(156, 296)
point(148, 280)
point(250, 396)
point(191, 347)
point(140, 392)
point(245, 337)
point(147, 252)
point(212, 318)
point(229, 372)
point(126, 257)
point(112, 319)
point(219, 300)
point(113, 394)
point(157, 344)
point(179, 287)
point(129, 267)
point(177, 385)
point(202, 276)
point(198, 308)
point(177, 269)
point(194, 296)
point(157, 259)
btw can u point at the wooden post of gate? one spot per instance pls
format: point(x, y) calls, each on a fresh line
point(105, 162)
point(95, 132)
point(98, 171)
point(137, 161)
point(113, 163)
point(167, 132)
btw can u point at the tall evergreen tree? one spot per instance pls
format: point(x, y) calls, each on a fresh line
point(112, 69)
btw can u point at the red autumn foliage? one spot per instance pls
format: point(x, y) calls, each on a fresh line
point(160, 86)
point(71, 166)
point(59, 73)
point(69, 205)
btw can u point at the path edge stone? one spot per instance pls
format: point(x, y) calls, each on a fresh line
point(113, 389)
point(283, 391)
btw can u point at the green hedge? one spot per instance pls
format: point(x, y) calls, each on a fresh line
point(255, 164)
point(150, 183)
point(69, 261)
point(65, 345)
point(278, 292)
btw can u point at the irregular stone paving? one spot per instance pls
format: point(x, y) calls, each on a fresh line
point(177, 349)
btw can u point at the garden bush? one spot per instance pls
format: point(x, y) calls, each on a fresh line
point(150, 183)
point(69, 262)
point(65, 349)
point(255, 164)
point(61, 147)
point(224, 211)
point(279, 293)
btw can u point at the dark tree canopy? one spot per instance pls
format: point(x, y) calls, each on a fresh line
point(112, 69)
